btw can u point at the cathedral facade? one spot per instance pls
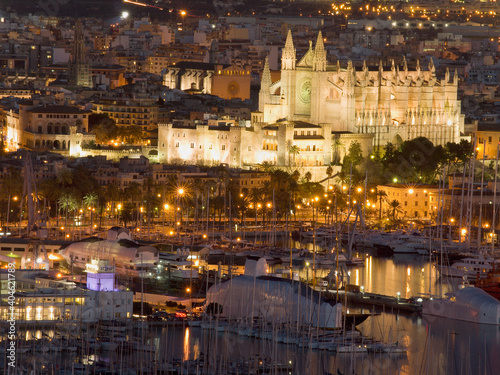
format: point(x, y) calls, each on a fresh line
point(390, 104)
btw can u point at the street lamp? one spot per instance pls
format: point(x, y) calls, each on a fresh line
point(180, 192)
point(166, 207)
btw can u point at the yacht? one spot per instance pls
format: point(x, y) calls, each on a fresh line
point(410, 244)
point(181, 269)
point(471, 267)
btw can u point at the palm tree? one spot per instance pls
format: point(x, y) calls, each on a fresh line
point(113, 194)
point(90, 201)
point(67, 202)
point(266, 166)
point(337, 146)
point(255, 196)
point(329, 173)
point(64, 178)
point(133, 192)
point(381, 195)
point(292, 150)
point(394, 209)
point(308, 176)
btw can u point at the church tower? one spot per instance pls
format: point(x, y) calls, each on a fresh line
point(265, 84)
point(79, 68)
point(288, 57)
point(319, 62)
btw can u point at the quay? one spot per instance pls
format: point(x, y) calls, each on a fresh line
point(376, 302)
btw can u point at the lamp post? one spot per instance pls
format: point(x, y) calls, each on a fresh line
point(8, 213)
point(180, 192)
point(119, 207)
point(165, 208)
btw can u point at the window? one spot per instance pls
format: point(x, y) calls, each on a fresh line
point(39, 129)
point(223, 147)
point(425, 213)
point(249, 148)
point(416, 203)
point(416, 214)
point(425, 203)
point(176, 144)
point(489, 139)
point(192, 144)
point(184, 135)
point(40, 116)
point(406, 203)
point(210, 146)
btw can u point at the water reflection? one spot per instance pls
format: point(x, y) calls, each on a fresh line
point(186, 345)
point(435, 346)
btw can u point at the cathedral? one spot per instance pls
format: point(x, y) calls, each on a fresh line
point(391, 105)
point(310, 116)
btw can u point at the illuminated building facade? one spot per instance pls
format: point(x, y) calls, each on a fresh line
point(393, 105)
point(224, 81)
point(315, 107)
point(56, 128)
point(40, 297)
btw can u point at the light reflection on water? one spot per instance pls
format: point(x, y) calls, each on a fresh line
point(435, 346)
point(410, 275)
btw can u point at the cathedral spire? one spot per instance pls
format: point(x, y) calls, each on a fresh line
point(447, 76)
point(266, 82)
point(338, 66)
point(455, 78)
point(265, 85)
point(432, 68)
point(405, 66)
point(288, 57)
point(319, 63)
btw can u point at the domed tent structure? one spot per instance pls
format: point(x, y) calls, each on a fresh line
point(127, 256)
point(272, 299)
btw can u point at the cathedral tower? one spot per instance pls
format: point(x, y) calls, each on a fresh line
point(265, 84)
point(288, 57)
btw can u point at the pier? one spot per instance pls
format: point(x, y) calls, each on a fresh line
point(376, 302)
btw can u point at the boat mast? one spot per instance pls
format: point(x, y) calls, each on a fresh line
point(479, 222)
point(493, 223)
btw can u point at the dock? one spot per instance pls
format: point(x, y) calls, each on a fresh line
point(378, 301)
